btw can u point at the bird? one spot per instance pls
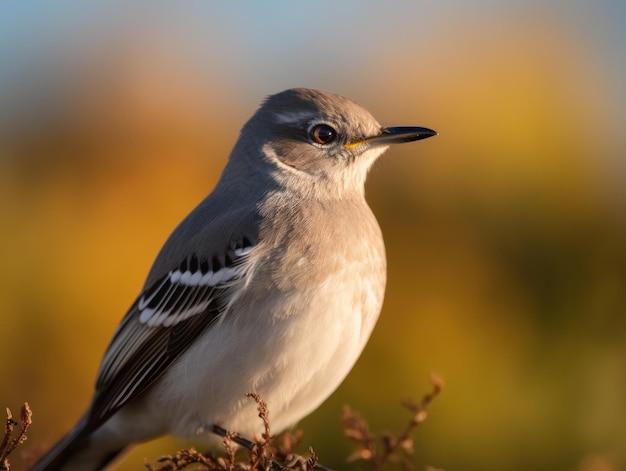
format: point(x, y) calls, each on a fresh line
point(271, 285)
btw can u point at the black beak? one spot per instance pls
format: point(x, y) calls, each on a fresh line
point(400, 134)
point(395, 135)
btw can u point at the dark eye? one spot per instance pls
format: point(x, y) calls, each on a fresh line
point(323, 134)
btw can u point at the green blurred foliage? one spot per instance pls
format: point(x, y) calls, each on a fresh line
point(505, 234)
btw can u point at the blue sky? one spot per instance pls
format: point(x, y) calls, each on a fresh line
point(249, 36)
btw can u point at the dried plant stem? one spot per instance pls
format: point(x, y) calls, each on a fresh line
point(393, 448)
point(10, 443)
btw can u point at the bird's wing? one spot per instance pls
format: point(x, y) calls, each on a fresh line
point(166, 318)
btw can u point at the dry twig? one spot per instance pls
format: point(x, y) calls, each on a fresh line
point(262, 454)
point(10, 443)
point(394, 448)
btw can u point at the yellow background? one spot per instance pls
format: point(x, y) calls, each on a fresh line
point(505, 234)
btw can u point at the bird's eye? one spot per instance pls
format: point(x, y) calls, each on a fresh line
point(323, 134)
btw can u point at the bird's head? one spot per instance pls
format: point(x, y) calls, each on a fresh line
point(319, 137)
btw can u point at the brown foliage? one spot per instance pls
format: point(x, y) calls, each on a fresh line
point(262, 454)
point(9, 442)
point(278, 455)
point(390, 447)
point(269, 453)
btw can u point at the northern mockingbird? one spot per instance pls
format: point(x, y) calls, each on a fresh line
point(271, 285)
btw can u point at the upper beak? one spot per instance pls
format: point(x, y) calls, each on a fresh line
point(395, 135)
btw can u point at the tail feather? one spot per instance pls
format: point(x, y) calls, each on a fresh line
point(77, 451)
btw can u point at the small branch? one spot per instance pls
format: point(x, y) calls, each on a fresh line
point(262, 456)
point(397, 448)
point(10, 443)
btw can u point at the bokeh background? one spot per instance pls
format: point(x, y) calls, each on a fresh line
point(506, 234)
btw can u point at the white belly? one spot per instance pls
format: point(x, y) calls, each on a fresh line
point(293, 360)
point(293, 356)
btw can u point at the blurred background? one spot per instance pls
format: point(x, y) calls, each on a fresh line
point(506, 234)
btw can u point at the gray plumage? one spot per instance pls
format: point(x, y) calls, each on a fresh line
point(272, 285)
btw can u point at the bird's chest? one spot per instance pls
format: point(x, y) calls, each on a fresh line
point(331, 264)
point(313, 239)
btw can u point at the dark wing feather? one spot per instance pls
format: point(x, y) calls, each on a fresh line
point(159, 327)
